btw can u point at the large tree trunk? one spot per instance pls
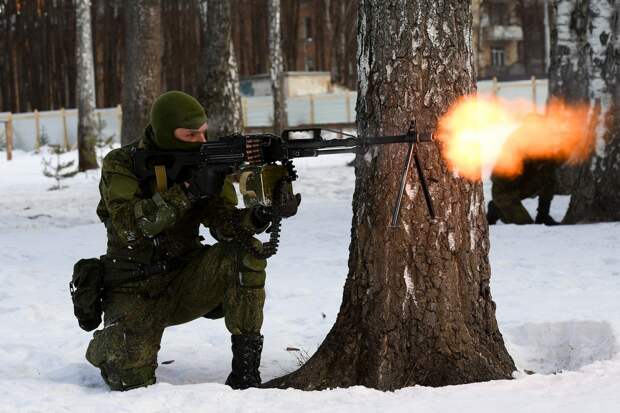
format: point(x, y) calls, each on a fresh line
point(86, 136)
point(142, 69)
point(219, 92)
point(276, 70)
point(596, 58)
point(417, 307)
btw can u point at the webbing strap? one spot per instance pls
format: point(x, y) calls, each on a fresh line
point(161, 178)
point(120, 272)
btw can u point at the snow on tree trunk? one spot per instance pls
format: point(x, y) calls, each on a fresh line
point(596, 192)
point(417, 306)
point(85, 88)
point(276, 70)
point(219, 92)
point(142, 76)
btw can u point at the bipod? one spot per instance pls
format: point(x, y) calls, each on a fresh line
point(412, 153)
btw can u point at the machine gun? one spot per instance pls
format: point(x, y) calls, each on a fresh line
point(265, 160)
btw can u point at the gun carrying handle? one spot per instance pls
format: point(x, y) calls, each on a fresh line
point(243, 184)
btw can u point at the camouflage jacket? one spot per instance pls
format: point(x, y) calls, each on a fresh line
point(537, 179)
point(122, 193)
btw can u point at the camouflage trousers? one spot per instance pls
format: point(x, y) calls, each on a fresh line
point(508, 202)
point(507, 198)
point(218, 279)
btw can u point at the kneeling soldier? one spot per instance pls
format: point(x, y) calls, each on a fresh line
point(157, 272)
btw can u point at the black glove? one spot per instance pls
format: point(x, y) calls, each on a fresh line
point(206, 182)
point(285, 202)
point(284, 205)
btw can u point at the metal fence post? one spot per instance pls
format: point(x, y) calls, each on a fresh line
point(8, 127)
point(311, 97)
point(244, 112)
point(495, 87)
point(347, 102)
point(37, 131)
point(119, 116)
point(534, 94)
point(65, 132)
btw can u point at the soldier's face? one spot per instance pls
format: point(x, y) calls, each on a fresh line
point(192, 135)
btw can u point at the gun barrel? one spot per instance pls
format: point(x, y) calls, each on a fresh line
point(409, 138)
point(314, 147)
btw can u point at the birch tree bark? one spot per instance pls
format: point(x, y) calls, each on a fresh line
point(277, 68)
point(417, 306)
point(568, 78)
point(585, 69)
point(85, 88)
point(142, 68)
point(219, 92)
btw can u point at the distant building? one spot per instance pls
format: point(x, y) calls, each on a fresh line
point(295, 84)
point(509, 38)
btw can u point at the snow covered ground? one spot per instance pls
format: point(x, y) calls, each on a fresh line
point(556, 291)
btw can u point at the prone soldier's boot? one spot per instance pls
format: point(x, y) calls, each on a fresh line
point(546, 219)
point(543, 217)
point(493, 214)
point(246, 349)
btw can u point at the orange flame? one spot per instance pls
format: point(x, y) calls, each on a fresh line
point(482, 132)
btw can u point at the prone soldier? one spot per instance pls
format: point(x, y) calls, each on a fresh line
point(537, 179)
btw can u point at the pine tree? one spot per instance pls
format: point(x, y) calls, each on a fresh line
point(103, 142)
point(58, 169)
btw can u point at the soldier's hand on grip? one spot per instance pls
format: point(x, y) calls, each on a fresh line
point(284, 205)
point(206, 182)
point(285, 202)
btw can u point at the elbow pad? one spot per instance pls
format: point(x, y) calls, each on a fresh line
point(154, 216)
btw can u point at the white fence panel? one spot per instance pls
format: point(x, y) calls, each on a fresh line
point(52, 127)
point(298, 109)
point(330, 109)
point(259, 111)
point(334, 108)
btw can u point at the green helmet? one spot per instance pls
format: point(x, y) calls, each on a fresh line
point(174, 110)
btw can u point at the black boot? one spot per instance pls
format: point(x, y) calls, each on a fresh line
point(492, 213)
point(546, 219)
point(246, 349)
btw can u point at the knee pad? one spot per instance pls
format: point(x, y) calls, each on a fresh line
point(127, 379)
point(124, 363)
point(121, 348)
point(252, 271)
